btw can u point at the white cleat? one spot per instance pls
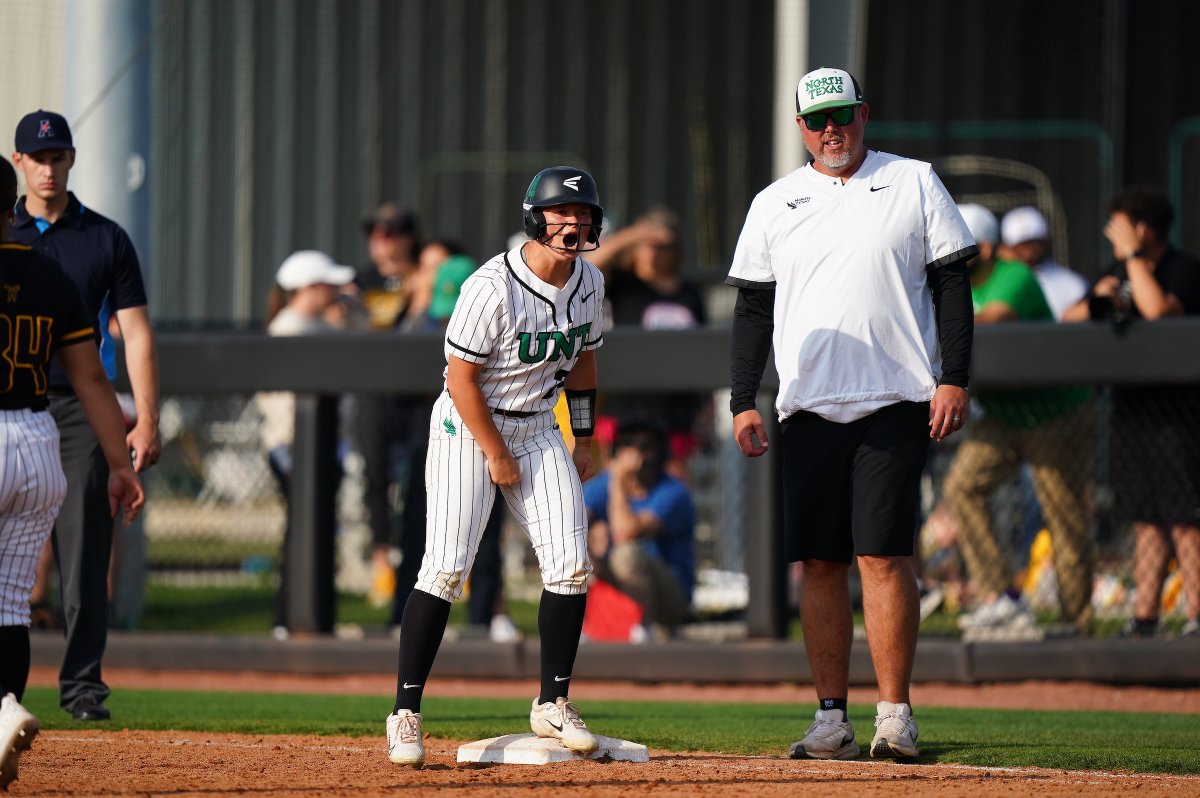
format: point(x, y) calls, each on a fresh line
point(17, 730)
point(561, 720)
point(829, 737)
point(404, 738)
point(895, 732)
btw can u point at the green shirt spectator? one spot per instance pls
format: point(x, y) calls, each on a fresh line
point(1013, 285)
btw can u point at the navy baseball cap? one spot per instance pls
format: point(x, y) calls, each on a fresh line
point(43, 130)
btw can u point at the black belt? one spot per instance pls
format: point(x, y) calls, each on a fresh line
point(513, 413)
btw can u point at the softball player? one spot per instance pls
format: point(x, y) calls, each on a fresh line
point(526, 324)
point(40, 314)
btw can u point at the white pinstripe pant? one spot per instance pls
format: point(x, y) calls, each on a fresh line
point(32, 488)
point(548, 502)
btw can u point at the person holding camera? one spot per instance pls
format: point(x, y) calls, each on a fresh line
point(642, 526)
point(1155, 444)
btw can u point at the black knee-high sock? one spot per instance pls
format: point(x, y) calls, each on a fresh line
point(14, 662)
point(421, 631)
point(560, 622)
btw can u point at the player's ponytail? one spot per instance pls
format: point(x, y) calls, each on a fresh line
point(8, 186)
point(8, 198)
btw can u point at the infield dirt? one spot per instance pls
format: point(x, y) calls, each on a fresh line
point(118, 762)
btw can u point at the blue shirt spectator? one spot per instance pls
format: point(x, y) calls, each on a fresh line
point(671, 502)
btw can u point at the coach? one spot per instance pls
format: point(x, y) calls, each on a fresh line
point(100, 259)
point(854, 267)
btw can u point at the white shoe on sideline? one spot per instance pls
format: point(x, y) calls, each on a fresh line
point(404, 738)
point(561, 720)
point(18, 727)
point(895, 732)
point(503, 630)
point(931, 597)
point(829, 737)
point(1003, 611)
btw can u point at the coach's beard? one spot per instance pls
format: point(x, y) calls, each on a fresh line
point(835, 162)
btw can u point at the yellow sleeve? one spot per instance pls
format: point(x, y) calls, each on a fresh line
point(563, 416)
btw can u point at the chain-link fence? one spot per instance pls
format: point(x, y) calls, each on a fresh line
point(1031, 517)
point(1037, 500)
point(215, 515)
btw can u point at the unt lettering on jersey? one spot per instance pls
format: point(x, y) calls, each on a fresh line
point(563, 344)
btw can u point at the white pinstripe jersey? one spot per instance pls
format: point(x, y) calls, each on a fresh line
point(527, 333)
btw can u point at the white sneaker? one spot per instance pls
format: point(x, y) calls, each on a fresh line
point(404, 738)
point(17, 730)
point(1002, 611)
point(895, 732)
point(829, 737)
point(931, 597)
point(561, 720)
point(503, 630)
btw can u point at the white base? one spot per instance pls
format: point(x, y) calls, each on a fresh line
point(528, 749)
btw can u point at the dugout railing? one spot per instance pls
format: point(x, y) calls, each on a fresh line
point(318, 370)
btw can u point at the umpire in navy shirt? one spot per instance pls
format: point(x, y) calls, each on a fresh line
point(99, 257)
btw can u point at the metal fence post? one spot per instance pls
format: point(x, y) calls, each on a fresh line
point(766, 568)
point(308, 552)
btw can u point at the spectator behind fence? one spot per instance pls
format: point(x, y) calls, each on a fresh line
point(1048, 428)
point(100, 260)
point(430, 302)
point(1154, 456)
point(390, 429)
point(854, 266)
point(310, 282)
point(645, 288)
point(642, 525)
point(1026, 238)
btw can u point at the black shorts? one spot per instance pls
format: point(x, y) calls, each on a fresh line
point(853, 488)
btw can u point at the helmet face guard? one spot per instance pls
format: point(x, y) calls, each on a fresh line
point(562, 185)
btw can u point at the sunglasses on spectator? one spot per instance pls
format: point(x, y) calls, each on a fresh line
point(840, 116)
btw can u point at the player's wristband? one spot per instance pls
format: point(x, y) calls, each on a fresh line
point(582, 407)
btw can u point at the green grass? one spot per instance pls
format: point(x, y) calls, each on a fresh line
point(1144, 743)
point(209, 551)
point(250, 610)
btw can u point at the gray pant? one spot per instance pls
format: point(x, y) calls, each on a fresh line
point(82, 546)
point(647, 580)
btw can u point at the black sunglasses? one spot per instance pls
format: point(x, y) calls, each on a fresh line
point(840, 116)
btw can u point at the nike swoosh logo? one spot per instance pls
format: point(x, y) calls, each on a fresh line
point(562, 678)
point(586, 298)
point(557, 726)
point(408, 686)
point(879, 188)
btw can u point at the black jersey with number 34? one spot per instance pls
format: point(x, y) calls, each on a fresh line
point(40, 312)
